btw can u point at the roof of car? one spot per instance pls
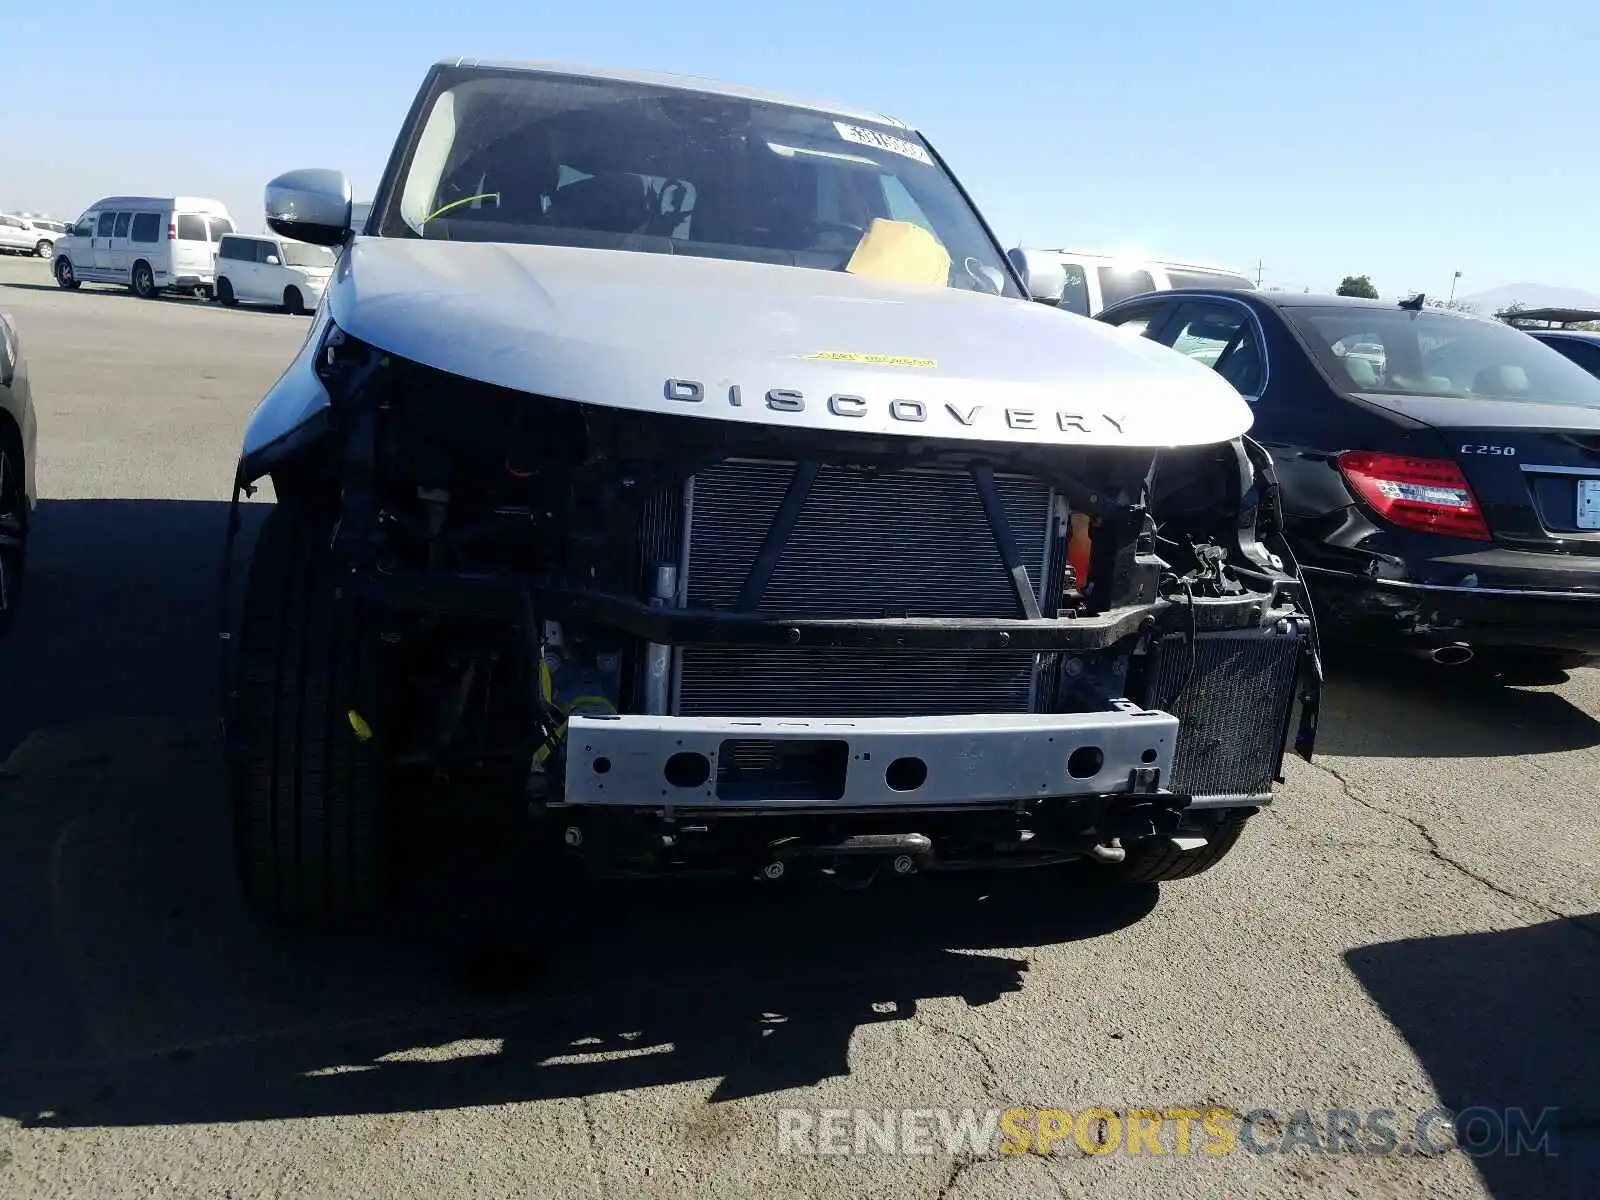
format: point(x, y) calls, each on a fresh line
point(688, 83)
point(1577, 335)
point(1313, 300)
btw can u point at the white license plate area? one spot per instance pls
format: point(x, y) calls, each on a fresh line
point(1589, 504)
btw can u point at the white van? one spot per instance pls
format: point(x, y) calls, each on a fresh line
point(1096, 281)
point(266, 268)
point(151, 244)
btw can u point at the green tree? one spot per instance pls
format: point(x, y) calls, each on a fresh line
point(1358, 285)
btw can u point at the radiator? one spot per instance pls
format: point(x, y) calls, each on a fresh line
point(1231, 713)
point(914, 542)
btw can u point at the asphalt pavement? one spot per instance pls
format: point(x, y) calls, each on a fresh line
point(1413, 925)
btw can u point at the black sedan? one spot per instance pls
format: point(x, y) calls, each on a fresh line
point(17, 440)
point(1440, 473)
point(1581, 346)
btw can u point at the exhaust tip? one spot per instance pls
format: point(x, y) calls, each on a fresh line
point(1454, 655)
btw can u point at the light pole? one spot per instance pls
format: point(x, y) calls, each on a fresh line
point(1453, 286)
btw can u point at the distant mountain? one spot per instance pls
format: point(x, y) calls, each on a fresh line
point(1531, 295)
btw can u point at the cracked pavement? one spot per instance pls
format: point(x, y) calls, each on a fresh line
point(1412, 924)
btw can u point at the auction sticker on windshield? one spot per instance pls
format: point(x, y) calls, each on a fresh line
point(883, 141)
point(1589, 504)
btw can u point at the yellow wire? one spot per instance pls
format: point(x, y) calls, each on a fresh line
point(495, 196)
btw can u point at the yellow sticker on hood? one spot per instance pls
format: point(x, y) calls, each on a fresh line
point(877, 360)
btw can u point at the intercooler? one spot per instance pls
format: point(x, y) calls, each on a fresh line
point(865, 544)
point(1230, 693)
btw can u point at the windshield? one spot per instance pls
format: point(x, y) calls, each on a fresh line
point(557, 160)
point(299, 254)
point(1397, 352)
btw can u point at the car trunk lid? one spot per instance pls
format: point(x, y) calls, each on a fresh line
point(1534, 468)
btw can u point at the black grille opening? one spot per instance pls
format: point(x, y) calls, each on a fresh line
point(805, 770)
point(912, 542)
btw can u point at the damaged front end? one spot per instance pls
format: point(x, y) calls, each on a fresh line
point(706, 646)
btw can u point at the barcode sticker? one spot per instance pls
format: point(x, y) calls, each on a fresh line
point(884, 141)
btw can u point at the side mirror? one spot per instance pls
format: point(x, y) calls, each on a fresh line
point(272, 260)
point(311, 205)
point(1043, 275)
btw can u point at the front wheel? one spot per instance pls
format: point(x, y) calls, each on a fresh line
point(144, 281)
point(64, 276)
point(45, 248)
point(310, 823)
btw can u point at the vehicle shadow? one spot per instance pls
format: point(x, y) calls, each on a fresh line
point(1504, 1021)
point(119, 613)
point(151, 997)
point(1385, 705)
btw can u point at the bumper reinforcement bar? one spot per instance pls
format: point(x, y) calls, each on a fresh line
point(907, 762)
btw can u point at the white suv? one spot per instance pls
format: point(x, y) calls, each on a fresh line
point(1097, 281)
point(266, 268)
point(28, 235)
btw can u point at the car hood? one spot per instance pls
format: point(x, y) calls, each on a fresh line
point(775, 345)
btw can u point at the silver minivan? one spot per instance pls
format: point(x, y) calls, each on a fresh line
point(151, 244)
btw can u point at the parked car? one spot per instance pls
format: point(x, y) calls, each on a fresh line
point(27, 235)
point(1097, 281)
point(1440, 472)
point(268, 269)
point(18, 437)
point(689, 468)
point(151, 244)
point(1581, 346)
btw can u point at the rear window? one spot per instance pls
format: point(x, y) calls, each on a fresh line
point(146, 227)
point(191, 228)
point(220, 226)
point(1395, 352)
point(1117, 285)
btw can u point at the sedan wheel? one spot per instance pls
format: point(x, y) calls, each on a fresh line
point(13, 533)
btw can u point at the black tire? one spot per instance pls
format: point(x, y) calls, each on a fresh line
point(13, 524)
point(293, 302)
point(310, 825)
point(143, 281)
point(225, 296)
point(1158, 860)
point(66, 278)
point(45, 248)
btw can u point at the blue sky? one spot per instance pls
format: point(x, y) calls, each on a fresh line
point(1372, 136)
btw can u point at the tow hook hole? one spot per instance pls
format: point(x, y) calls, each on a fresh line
point(1085, 762)
point(1149, 756)
point(602, 765)
point(906, 774)
point(687, 769)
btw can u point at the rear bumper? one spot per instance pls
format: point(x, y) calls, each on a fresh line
point(775, 764)
point(1410, 614)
